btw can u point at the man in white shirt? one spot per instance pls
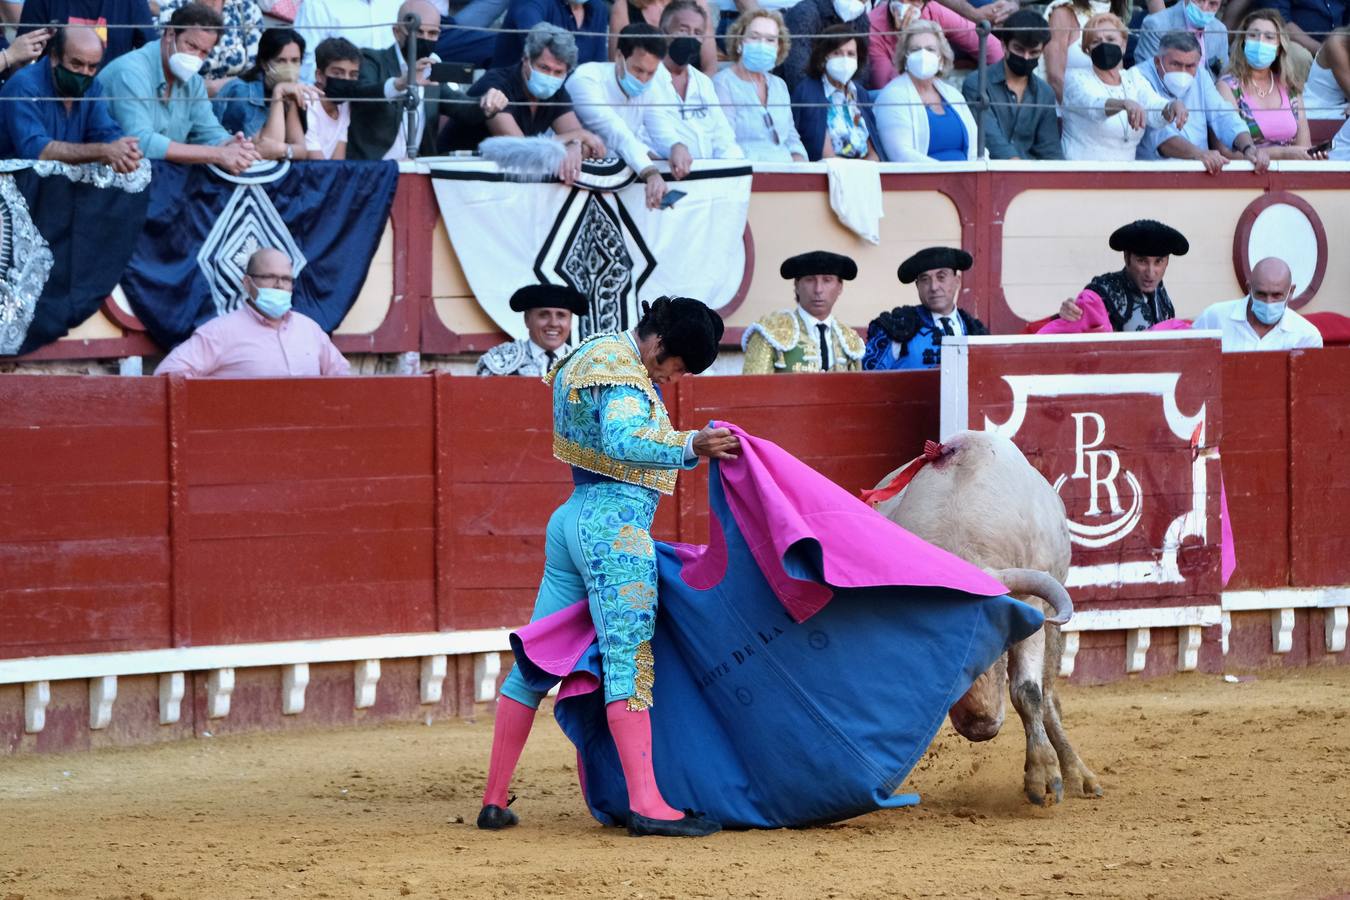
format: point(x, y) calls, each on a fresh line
point(337, 59)
point(609, 100)
point(1262, 320)
point(363, 22)
point(548, 310)
point(684, 119)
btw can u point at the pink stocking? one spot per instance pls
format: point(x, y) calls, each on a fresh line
point(632, 733)
point(508, 740)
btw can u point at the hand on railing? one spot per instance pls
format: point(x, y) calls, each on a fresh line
point(123, 155)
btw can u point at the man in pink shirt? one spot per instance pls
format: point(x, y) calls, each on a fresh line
point(263, 338)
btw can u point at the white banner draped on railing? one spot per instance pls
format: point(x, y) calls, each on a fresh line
point(597, 236)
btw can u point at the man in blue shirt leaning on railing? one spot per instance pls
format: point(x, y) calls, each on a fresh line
point(77, 128)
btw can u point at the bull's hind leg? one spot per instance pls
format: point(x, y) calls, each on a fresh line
point(1026, 665)
point(1079, 780)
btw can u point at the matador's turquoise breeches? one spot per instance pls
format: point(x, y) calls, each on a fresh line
point(599, 548)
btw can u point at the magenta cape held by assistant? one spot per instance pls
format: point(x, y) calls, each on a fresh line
point(804, 658)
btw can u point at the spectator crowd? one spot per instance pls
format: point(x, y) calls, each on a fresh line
point(233, 82)
point(230, 82)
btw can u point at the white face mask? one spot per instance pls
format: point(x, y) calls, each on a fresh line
point(1178, 82)
point(922, 64)
point(184, 66)
point(841, 68)
point(848, 10)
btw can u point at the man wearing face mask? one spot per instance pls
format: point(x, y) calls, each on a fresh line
point(910, 337)
point(1020, 121)
point(540, 104)
point(1175, 71)
point(685, 119)
point(159, 99)
point(71, 129)
point(813, 17)
point(263, 337)
point(1199, 19)
point(610, 99)
point(337, 62)
point(380, 130)
point(1262, 320)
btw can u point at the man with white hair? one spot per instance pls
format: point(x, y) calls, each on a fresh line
point(539, 102)
point(1262, 320)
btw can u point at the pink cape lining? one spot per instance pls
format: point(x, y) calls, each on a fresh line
point(1096, 321)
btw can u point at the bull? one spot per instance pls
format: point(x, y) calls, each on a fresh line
point(981, 500)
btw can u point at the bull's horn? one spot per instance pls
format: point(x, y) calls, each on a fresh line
point(1041, 584)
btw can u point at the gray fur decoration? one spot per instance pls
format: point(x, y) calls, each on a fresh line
point(524, 158)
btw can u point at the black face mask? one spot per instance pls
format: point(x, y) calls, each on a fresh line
point(424, 47)
point(1106, 56)
point(1021, 66)
point(71, 84)
point(684, 50)
point(339, 90)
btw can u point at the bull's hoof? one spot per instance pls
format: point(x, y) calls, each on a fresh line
point(1085, 785)
point(1048, 795)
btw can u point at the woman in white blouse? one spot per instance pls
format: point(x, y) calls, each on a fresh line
point(922, 118)
point(1107, 107)
point(756, 100)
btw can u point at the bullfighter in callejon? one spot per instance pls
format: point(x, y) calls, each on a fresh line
point(806, 338)
point(550, 310)
point(611, 427)
point(910, 337)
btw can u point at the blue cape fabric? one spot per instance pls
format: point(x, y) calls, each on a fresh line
point(761, 722)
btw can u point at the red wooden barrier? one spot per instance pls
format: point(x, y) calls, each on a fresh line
point(853, 427)
point(1256, 465)
point(305, 509)
point(1319, 479)
point(84, 550)
point(1121, 428)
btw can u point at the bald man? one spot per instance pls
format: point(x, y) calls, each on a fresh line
point(380, 130)
point(1262, 320)
point(263, 338)
point(77, 127)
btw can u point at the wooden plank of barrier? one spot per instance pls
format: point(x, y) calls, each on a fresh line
point(1319, 480)
point(308, 507)
point(852, 427)
point(84, 548)
point(1255, 465)
point(1124, 428)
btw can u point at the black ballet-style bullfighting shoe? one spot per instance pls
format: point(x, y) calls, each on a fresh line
point(692, 824)
point(495, 818)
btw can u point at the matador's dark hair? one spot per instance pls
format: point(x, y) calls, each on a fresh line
point(687, 328)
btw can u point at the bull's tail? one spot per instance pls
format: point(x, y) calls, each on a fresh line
point(1040, 584)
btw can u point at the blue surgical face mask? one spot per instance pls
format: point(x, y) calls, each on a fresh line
point(543, 85)
point(630, 83)
point(759, 57)
point(1197, 17)
point(1260, 55)
point(1267, 313)
point(273, 302)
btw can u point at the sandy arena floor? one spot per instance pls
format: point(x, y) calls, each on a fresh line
point(1212, 790)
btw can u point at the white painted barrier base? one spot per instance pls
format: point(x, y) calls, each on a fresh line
point(102, 670)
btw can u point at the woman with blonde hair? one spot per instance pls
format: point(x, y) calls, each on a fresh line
point(1067, 19)
point(755, 100)
point(1264, 90)
point(1106, 106)
point(922, 118)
